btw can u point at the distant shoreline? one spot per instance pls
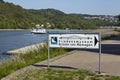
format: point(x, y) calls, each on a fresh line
point(13, 29)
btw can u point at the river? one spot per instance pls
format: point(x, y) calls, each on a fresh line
point(14, 39)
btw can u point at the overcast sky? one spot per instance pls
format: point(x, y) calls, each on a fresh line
point(98, 7)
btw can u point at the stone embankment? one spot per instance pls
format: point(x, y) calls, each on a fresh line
point(25, 49)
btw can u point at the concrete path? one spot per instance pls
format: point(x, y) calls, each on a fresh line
point(88, 60)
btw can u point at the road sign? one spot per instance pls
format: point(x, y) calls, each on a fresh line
point(82, 40)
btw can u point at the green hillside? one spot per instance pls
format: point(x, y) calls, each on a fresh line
point(62, 20)
point(15, 17)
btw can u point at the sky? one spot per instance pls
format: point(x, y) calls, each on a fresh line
point(94, 7)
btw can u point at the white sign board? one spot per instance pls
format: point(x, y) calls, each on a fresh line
point(82, 40)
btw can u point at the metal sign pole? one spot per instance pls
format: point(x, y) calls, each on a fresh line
point(100, 53)
point(48, 53)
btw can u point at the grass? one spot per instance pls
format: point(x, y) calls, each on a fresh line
point(115, 34)
point(31, 57)
point(50, 74)
point(110, 36)
point(116, 29)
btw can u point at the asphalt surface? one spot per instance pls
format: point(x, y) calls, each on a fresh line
point(111, 46)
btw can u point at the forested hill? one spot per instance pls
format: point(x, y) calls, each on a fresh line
point(15, 17)
point(62, 20)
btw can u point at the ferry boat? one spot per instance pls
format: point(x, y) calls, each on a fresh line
point(38, 30)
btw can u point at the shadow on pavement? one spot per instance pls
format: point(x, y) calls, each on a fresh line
point(113, 49)
point(115, 38)
point(54, 66)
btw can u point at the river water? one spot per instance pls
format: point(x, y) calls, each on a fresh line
point(14, 39)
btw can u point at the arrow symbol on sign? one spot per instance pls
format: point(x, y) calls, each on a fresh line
point(95, 40)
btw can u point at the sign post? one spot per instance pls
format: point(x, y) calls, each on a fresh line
point(76, 40)
point(48, 55)
point(99, 53)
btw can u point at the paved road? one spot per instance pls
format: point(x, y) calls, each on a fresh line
point(88, 59)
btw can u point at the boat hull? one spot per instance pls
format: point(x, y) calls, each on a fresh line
point(43, 31)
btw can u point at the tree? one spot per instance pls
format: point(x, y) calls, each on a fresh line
point(1, 1)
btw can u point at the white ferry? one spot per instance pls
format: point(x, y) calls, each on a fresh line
point(38, 30)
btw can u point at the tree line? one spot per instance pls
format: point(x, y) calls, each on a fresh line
point(15, 17)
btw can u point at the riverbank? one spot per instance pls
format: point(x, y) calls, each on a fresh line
point(26, 49)
point(13, 29)
point(106, 33)
point(56, 53)
point(76, 60)
point(23, 60)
